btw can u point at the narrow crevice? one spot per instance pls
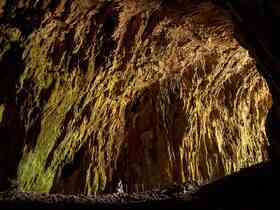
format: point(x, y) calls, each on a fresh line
point(106, 43)
point(153, 21)
point(34, 128)
point(70, 179)
point(46, 94)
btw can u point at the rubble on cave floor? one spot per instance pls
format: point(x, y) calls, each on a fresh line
point(250, 189)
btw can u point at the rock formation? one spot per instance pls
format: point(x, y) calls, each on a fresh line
point(146, 92)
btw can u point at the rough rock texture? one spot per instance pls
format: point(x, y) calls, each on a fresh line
point(147, 92)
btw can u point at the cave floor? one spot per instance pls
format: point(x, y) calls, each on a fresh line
point(250, 189)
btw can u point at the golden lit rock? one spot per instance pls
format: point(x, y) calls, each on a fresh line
point(150, 95)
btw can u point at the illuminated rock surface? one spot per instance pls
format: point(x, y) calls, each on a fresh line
point(145, 92)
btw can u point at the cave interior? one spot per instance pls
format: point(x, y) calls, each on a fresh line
point(251, 188)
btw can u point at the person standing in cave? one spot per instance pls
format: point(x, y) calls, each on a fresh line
point(120, 188)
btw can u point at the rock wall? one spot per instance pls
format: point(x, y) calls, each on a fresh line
point(147, 92)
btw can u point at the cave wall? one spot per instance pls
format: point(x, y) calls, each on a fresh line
point(147, 92)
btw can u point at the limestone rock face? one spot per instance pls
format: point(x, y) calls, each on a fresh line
point(146, 92)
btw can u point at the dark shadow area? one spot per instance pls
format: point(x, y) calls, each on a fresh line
point(251, 188)
point(27, 16)
point(108, 17)
point(70, 180)
point(11, 126)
